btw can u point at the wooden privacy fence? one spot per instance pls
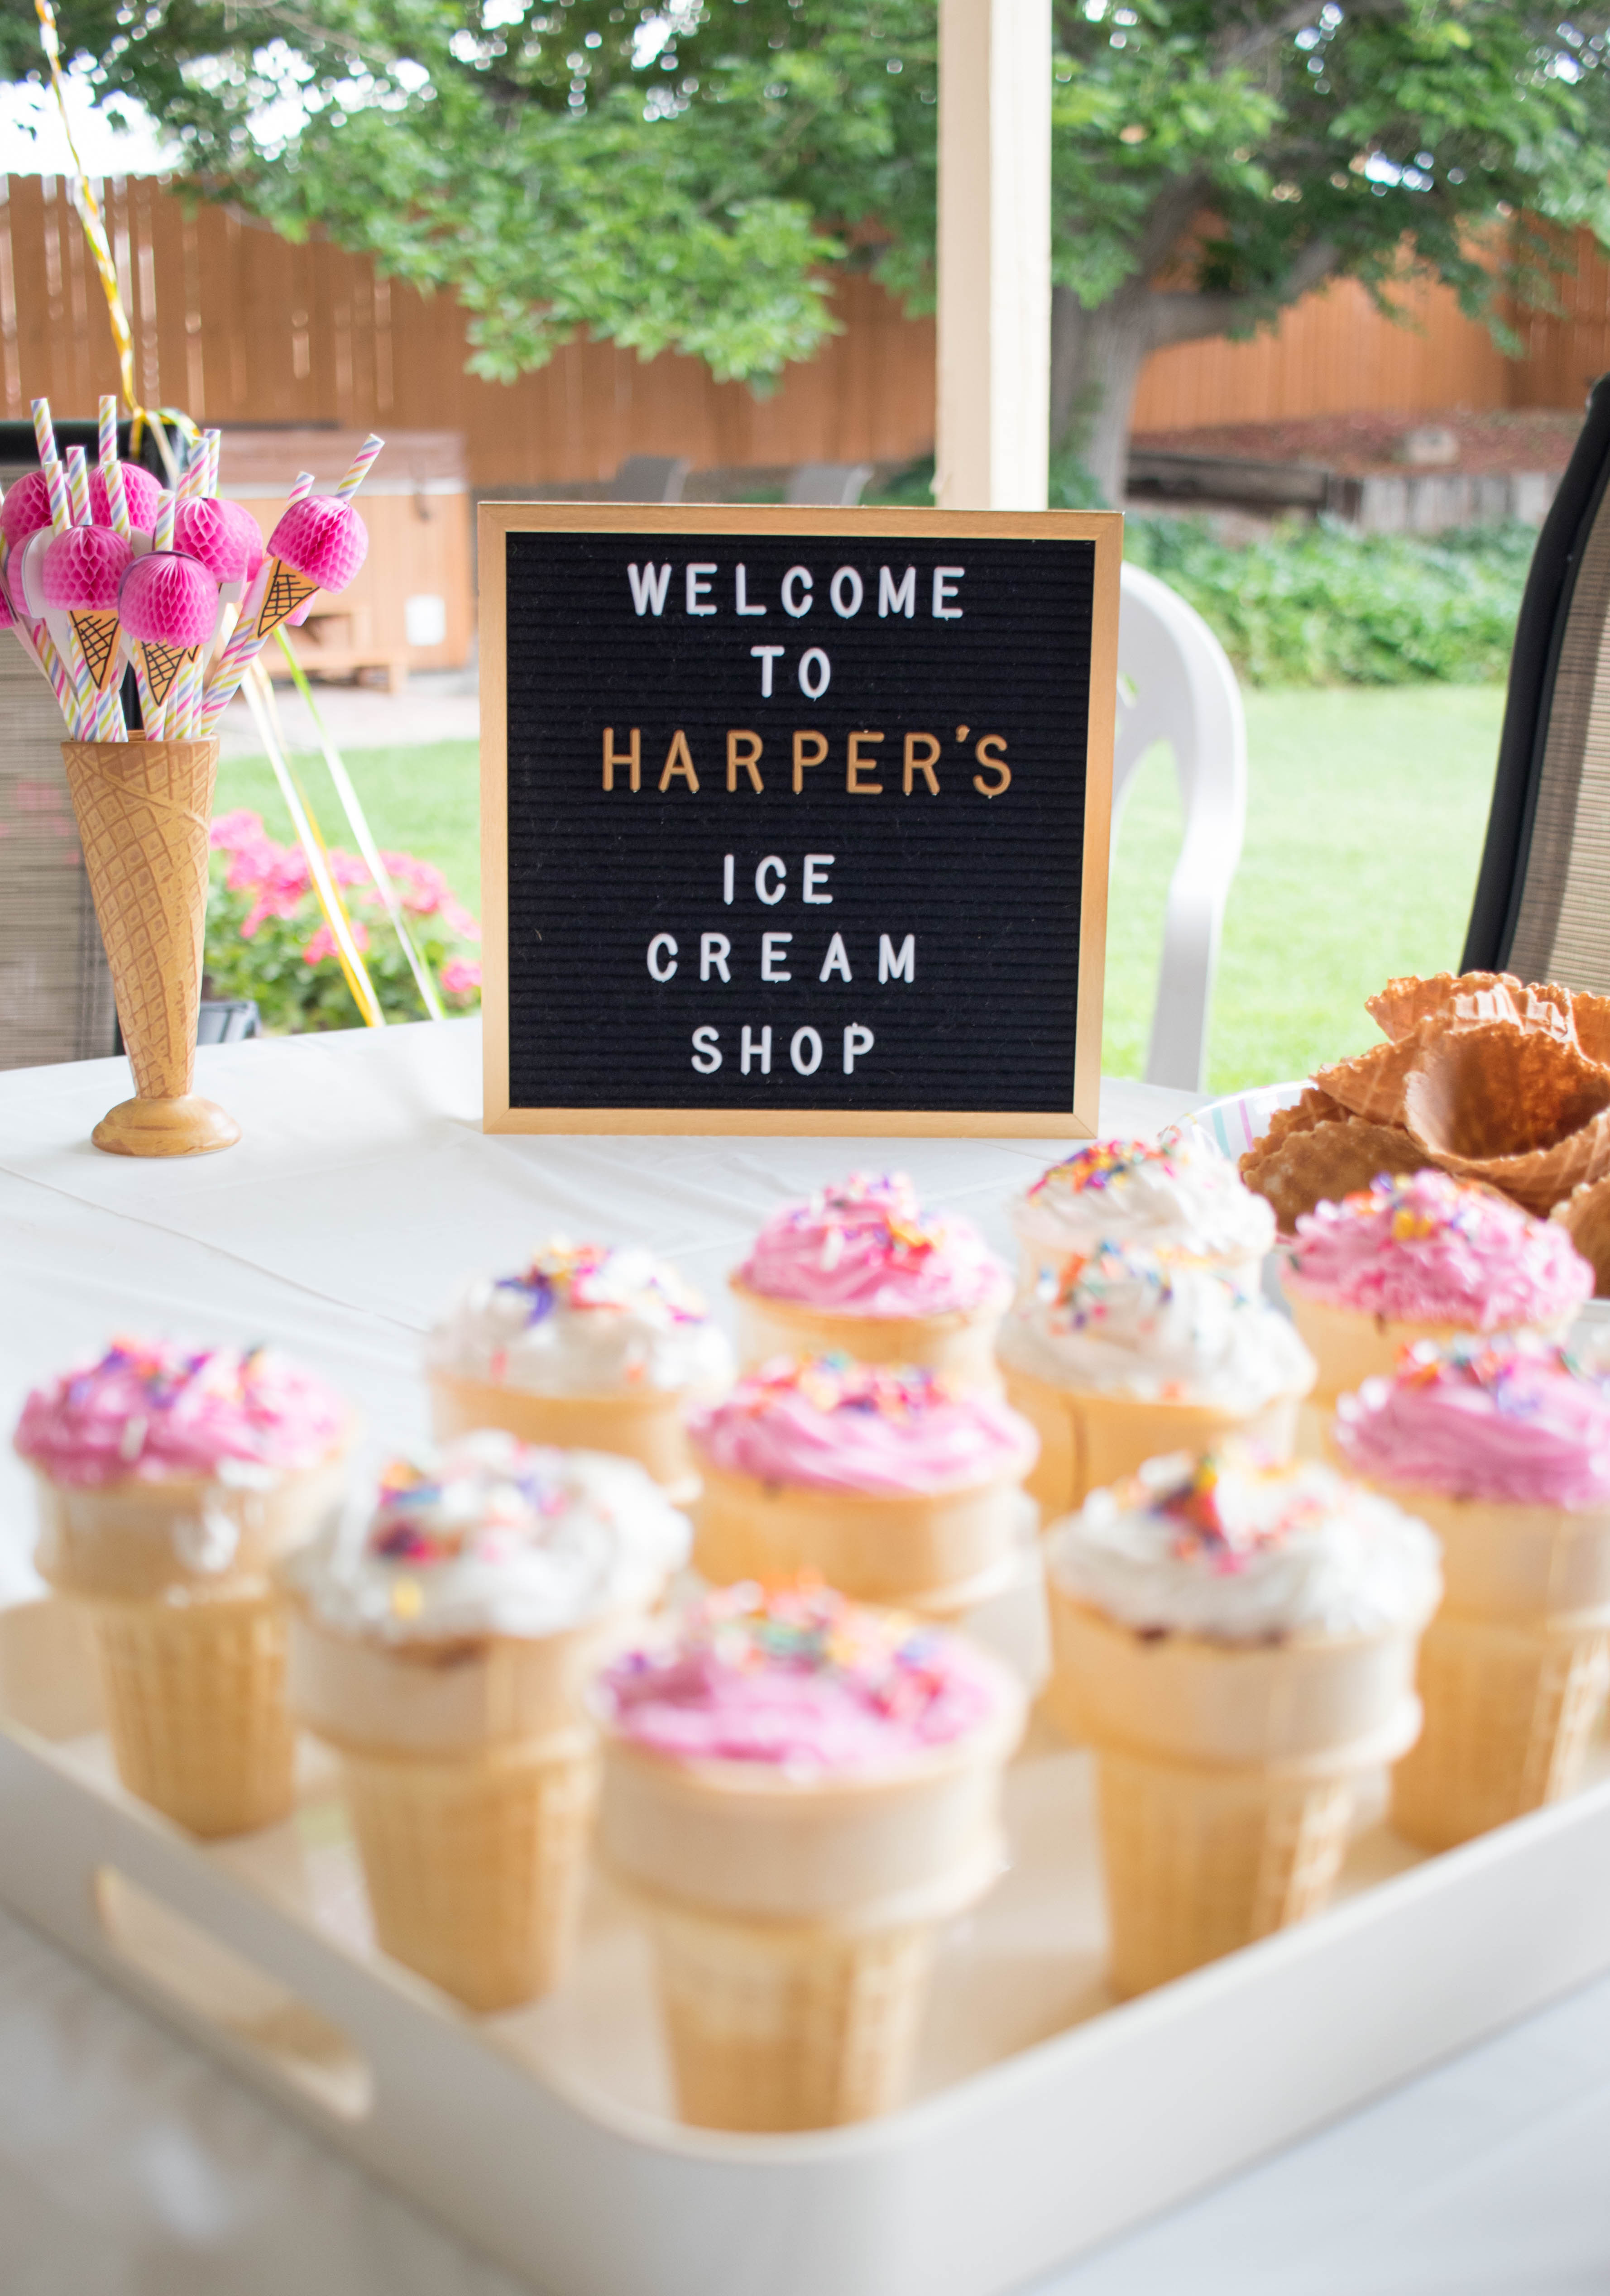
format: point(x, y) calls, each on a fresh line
point(238, 325)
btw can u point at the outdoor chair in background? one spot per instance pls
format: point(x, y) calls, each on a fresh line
point(1542, 899)
point(648, 478)
point(1175, 685)
point(827, 486)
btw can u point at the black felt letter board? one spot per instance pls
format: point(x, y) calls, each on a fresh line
point(795, 820)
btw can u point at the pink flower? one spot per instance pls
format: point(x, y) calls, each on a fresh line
point(323, 943)
point(460, 977)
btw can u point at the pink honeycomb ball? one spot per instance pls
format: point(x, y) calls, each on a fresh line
point(202, 530)
point(26, 508)
point(141, 492)
point(7, 618)
point(83, 568)
point(322, 538)
point(249, 531)
point(167, 600)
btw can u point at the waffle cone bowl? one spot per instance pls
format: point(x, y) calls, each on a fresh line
point(1088, 1439)
point(143, 809)
point(644, 1424)
point(1226, 1777)
point(960, 1346)
point(939, 1552)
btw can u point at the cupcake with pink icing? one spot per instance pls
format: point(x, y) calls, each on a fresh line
point(170, 1481)
point(884, 1480)
point(1178, 1192)
point(798, 1792)
point(1503, 1448)
point(1423, 1257)
point(861, 1265)
point(589, 1346)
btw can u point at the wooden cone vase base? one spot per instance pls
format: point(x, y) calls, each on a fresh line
point(143, 809)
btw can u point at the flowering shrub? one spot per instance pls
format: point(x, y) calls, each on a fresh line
point(267, 937)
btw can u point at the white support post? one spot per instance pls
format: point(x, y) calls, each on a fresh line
point(994, 253)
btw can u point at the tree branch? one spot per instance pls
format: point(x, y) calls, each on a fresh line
point(1177, 317)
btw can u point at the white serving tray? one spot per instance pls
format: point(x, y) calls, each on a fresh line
point(1046, 2119)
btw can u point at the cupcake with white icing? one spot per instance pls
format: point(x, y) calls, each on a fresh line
point(586, 1347)
point(1237, 1641)
point(442, 1647)
point(1130, 1352)
point(1176, 1193)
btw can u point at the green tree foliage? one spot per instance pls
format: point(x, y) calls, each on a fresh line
point(687, 174)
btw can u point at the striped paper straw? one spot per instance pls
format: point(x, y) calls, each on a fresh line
point(214, 442)
point(50, 662)
point(61, 509)
point(77, 485)
point(109, 428)
point(245, 644)
point(43, 431)
point(363, 462)
point(117, 498)
point(162, 539)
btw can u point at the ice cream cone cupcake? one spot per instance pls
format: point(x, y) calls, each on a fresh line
point(1133, 1352)
point(170, 1480)
point(318, 544)
point(589, 1347)
point(1237, 1642)
point(1178, 1192)
point(798, 1793)
point(860, 1267)
point(83, 569)
point(441, 1649)
point(881, 1481)
point(1503, 1449)
point(169, 609)
point(1426, 1258)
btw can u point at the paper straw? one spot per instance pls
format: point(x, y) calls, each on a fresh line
point(50, 662)
point(43, 431)
point(61, 509)
point(214, 442)
point(245, 643)
point(117, 498)
point(109, 428)
point(162, 539)
point(77, 485)
point(362, 464)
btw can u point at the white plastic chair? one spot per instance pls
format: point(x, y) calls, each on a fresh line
point(1175, 685)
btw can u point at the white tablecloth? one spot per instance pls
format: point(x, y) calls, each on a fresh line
point(363, 1191)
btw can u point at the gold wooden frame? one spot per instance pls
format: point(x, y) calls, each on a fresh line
point(1104, 528)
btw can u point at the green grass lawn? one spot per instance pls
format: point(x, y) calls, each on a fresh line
point(1366, 812)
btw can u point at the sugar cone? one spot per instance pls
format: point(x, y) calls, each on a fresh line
point(794, 1917)
point(190, 1639)
point(286, 587)
point(474, 1866)
point(787, 2025)
point(1510, 1712)
point(143, 809)
point(940, 1553)
point(1088, 1439)
point(194, 1695)
point(959, 1346)
point(643, 1424)
point(1226, 1776)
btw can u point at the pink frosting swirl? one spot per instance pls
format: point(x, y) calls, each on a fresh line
point(1426, 1249)
point(865, 1245)
point(798, 1678)
point(149, 1409)
point(1522, 1425)
point(838, 1425)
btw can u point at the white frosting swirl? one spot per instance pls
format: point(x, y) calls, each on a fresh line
point(1158, 1325)
point(1178, 1191)
point(494, 1536)
point(582, 1319)
point(1237, 1551)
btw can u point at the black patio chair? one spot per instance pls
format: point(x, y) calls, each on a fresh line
point(1542, 899)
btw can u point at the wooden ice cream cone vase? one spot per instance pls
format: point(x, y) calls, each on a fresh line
point(1226, 1776)
point(142, 810)
point(1088, 1439)
point(643, 1424)
point(1515, 1668)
